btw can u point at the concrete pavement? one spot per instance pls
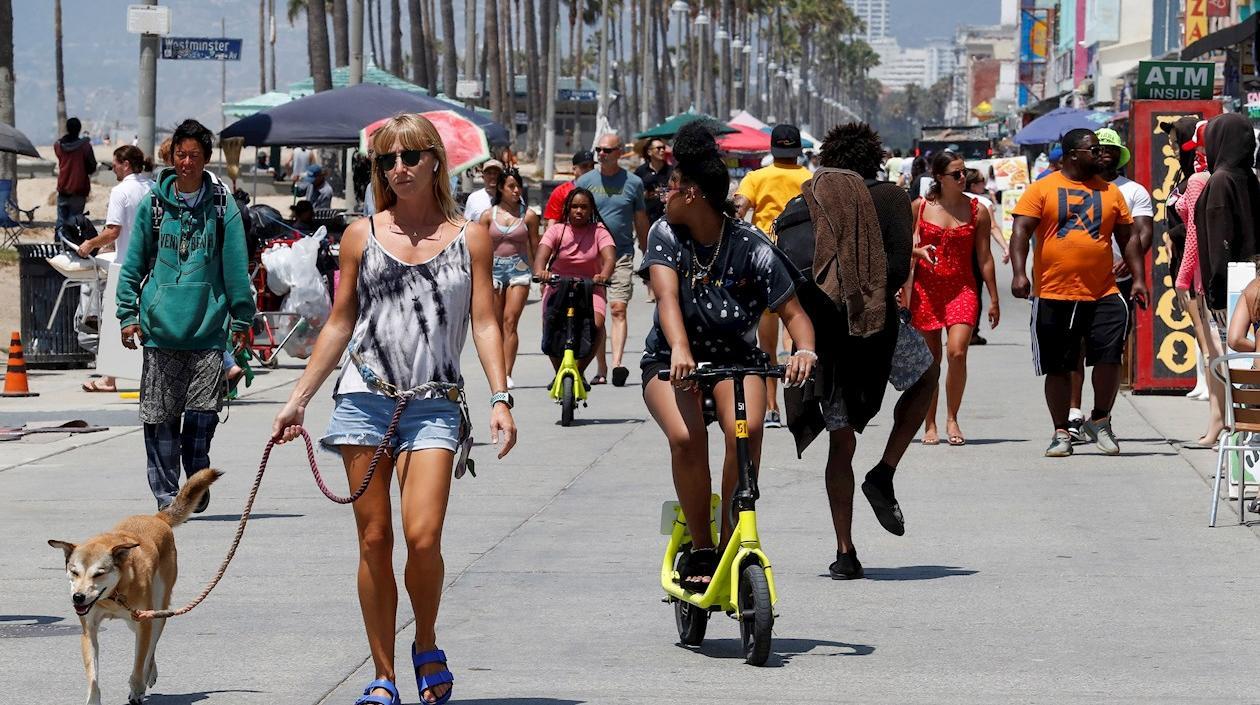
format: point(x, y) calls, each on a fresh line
point(1020, 578)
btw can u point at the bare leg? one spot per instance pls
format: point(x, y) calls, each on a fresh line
point(933, 340)
point(959, 340)
point(598, 345)
point(378, 592)
point(840, 484)
point(424, 482)
point(1210, 347)
point(620, 329)
point(1058, 395)
point(1106, 380)
point(908, 414)
point(755, 404)
point(514, 303)
point(768, 341)
point(679, 415)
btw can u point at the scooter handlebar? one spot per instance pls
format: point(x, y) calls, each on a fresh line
point(556, 279)
point(717, 374)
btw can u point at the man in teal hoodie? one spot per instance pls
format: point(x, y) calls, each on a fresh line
point(184, 286)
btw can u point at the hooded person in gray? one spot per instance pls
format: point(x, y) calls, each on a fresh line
point(1225, 214)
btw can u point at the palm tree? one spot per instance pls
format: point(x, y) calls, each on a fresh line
point(60, 69)
point(494, 67)
point(450, 61)
point(317, 36)
point(371, 34)
point(419, 65)
point(395, 38)
point(534, 76)
point(380, 37)
point(271, 40)
point(341, 31)
point(262, 42)
point(8, 162)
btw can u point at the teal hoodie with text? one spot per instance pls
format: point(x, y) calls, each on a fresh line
point(188, 301)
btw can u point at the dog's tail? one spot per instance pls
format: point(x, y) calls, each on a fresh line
point(189, 496)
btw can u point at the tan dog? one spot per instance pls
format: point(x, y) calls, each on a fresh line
point(131, 567)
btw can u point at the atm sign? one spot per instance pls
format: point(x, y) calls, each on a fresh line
point(1176, 80)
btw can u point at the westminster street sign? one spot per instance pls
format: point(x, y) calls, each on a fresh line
point(201, 48)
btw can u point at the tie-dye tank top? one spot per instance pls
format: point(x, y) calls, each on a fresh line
point(413, 318)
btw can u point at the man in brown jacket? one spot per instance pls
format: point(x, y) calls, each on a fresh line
point(75, 165)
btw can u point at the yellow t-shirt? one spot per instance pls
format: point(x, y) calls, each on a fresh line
point(769, 189)
point(1073, 257)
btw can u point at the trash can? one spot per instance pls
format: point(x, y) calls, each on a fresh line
point(55, 346)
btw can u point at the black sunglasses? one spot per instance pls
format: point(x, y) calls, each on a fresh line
point(955, 175)
point(410, 157)
point(606, 150)
point(1096, 150)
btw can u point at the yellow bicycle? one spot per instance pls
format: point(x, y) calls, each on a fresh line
point(743, 584)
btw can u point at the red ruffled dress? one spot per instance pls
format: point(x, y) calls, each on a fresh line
point(946, 294)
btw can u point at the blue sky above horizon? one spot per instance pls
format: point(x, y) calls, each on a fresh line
point(907, 17)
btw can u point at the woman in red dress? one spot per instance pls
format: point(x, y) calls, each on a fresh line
point(950, 231)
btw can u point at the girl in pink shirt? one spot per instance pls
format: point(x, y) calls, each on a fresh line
point(577, 246)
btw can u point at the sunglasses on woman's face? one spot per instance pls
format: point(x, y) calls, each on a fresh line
point(956, 175)
point(410, 157)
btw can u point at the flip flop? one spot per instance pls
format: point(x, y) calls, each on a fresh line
point(95, 386)
point(928, 442)
point(957, 441)
point(598, 379)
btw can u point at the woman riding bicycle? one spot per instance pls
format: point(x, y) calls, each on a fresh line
point(581, 248)
point(713, 277)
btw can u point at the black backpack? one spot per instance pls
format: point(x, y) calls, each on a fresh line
point(794, 233)
point(76, 230)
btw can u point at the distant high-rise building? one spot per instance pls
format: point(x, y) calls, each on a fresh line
point(874, 13)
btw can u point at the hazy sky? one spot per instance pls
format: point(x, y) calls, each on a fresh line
point(916, 20)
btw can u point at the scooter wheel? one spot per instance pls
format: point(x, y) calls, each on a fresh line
point(567, 401)
point(756, 615)
point(692, 622)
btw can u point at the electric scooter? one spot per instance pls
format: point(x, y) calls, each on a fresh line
point(569, 387)
point(743, 583)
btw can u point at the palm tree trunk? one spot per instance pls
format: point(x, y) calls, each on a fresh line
point(506, 62)
point(317, 35)
point(429, 12)
point(271, 40)
point(419, 66)
point(341, 31)
point(494, 70)
point(535, 87)
point(60, 69)
point(372, 35)
point(395, 38)
point(381, 60)
point(8, 161)
point(450, 60)
point(578, 59)
point(262, 44)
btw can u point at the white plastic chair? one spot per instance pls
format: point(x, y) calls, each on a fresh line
point(1242, 415)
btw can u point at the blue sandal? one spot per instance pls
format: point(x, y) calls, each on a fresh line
point(433, 680)
point(369, 699)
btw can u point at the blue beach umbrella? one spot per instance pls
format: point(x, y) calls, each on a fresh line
point(1050, 127)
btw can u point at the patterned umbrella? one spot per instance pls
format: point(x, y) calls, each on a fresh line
point(465, 140)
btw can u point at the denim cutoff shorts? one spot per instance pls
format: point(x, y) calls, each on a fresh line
point(510, 271)
point(361, 419)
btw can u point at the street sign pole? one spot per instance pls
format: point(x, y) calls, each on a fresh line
point(553, 72)
point(147, 114)
point(223, 77)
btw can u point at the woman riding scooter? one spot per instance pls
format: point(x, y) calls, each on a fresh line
point(713, 277)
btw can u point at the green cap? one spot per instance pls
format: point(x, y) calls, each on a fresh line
point(1108, 137)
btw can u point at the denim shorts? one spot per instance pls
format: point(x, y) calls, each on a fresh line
point(361, 419)
point(510, 271)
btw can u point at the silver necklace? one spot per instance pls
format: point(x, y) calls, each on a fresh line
point(700, 271)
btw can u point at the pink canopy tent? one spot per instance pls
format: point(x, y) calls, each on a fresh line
point(745, 140)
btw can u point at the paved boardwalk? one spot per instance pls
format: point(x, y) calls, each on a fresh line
point(1020, 578)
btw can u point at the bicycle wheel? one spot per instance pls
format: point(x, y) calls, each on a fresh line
point(756, 616)
point(567, 400)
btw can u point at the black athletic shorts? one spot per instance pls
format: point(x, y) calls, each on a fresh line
point(1060, 328)
point(1126, 290)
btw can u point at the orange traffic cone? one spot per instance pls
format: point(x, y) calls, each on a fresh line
point(15, 384)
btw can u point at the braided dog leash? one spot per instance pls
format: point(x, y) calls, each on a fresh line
point(404, 397)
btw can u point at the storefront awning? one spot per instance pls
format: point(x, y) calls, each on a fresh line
point(1227, 38)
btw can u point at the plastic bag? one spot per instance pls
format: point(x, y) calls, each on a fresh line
point(276, 260)
point(308, 295)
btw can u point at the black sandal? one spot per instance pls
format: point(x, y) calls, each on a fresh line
point(697, 570)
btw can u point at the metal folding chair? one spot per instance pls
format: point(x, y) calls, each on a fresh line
point(11, 226)
point(1242, 415)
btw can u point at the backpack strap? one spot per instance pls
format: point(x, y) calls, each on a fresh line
point(156, 212)
point(220, 195)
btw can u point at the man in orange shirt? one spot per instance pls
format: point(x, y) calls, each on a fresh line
point(1074, 214)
